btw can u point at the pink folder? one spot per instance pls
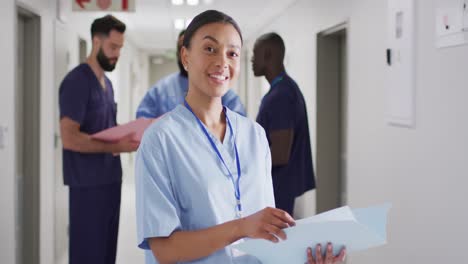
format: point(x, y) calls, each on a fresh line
point(135, 127)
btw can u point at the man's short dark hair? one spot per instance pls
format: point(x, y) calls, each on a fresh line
point(274, 41)
point(104, 25)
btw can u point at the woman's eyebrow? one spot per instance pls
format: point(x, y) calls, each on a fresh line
point(211, 38)
point(235, 46)
point(217, 42)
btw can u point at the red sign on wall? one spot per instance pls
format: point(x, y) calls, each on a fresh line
point(104, 5)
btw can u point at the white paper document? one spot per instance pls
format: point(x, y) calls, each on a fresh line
point(356, 229)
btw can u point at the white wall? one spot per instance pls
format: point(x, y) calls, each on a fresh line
point(250, 89)
point(422, 171)
point(7, 154)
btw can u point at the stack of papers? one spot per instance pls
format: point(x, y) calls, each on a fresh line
point(356, 229)
point(134, 128)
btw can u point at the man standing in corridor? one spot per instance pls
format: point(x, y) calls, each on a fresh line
point(283, 115)
point(91, 168)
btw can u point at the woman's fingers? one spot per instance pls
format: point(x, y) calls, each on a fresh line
point(270, 237)
point(341, 257)
point(328, 259)
point(318, 254)
point(310, 259)
point(278, 222)
point(284, 216)
point(329, 255)
point(275, 231)
point(268, 224)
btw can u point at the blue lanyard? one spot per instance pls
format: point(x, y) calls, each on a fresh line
point(235, 183)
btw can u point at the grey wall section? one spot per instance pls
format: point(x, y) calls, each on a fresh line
point(422, 171)
point(159, 71)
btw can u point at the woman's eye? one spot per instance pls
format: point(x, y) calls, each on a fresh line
point(233, 54)
point(210, 49)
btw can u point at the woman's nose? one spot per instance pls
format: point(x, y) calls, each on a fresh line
point(221, 61)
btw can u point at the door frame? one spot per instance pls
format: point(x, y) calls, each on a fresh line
point(331, 127)
point(27, 125)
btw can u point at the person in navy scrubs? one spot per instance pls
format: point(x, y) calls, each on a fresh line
point(283, 115)
point(91, 168)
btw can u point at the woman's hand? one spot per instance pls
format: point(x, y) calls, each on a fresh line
point(267, 224)
point(328, 258)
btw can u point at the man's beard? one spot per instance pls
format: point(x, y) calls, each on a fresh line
point(104, 61)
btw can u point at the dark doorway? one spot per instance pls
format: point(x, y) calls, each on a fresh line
point(331, 117)
point(27, 114)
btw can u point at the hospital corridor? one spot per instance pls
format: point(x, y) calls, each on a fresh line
point(233, 131)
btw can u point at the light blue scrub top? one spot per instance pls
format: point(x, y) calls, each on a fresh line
point(170, 91)
point(182, 185)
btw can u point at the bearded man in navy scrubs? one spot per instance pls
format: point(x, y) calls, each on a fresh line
point(283, 115)
point(91, 168)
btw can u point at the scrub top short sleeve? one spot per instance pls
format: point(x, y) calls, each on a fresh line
point(158, 215)
point(74, 98)
point(148, 107)
point(275, 114)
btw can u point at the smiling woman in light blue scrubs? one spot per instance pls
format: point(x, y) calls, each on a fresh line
point(203, 172)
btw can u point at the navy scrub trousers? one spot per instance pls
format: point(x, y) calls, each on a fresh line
point(94, 223)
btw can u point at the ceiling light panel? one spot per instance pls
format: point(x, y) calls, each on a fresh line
point(192, 2)
point(177, 2)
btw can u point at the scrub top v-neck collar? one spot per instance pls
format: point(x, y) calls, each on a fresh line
point(105, 89)
point(228, 139)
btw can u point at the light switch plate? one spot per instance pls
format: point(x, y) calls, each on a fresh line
point(451, 23)
point(448, 21)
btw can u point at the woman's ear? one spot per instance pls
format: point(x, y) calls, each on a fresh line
point(184, 54)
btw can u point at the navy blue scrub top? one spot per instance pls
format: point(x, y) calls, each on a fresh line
point(283, 107)
point(82, 99)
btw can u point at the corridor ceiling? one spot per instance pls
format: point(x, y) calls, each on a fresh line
point(151, 27)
